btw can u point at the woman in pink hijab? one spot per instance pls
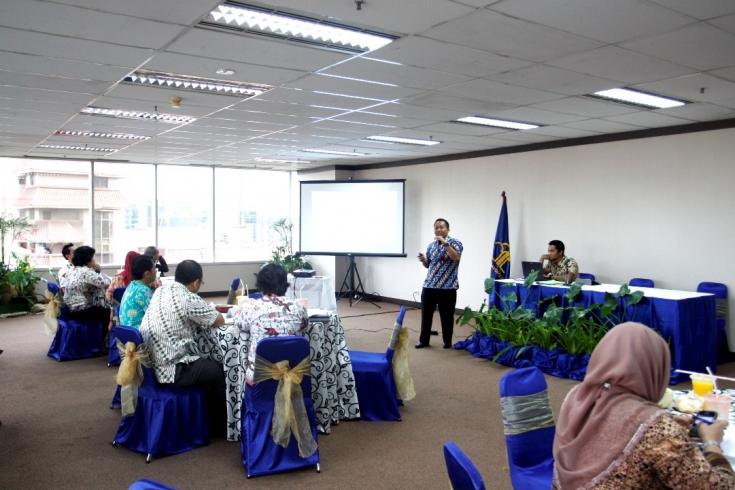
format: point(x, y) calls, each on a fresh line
point(611, 434)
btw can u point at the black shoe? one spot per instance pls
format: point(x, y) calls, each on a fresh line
point(421, 345)
point(447, 346)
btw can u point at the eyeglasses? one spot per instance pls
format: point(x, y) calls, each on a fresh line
point(201, 283)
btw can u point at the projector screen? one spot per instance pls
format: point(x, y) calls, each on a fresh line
point(352, 217)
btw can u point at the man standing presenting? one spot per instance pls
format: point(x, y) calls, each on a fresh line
point(168, 328)
point(441, 284)
point(560, 267)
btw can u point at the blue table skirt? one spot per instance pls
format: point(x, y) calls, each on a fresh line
point(689, 325)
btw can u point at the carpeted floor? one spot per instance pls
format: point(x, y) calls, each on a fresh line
point(57, 425)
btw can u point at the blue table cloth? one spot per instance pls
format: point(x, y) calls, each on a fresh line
point(686, 319)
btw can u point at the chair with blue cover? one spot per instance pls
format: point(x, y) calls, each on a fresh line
point(719, 290)
point(113, 356)
point(146, 484)
point(261, 454)
point(529, 428)
point(375, 380)
point(584, 275)
point(641, 283)
point(165, 420)
point(463, 474)
point(74, 339)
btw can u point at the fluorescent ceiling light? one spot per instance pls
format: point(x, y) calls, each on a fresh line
point(94, 134)
point(150, 116)
point(198, 84)
point(80, 148)
point(637, 98)
point(497, 123)
point(246, 18)
point(276, 160)
point(405, 141)
point(331, 152)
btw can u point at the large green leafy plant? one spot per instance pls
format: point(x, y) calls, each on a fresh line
point(283, 252)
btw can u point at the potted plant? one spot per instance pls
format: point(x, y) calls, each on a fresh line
point(283, 252)
point(17, 283)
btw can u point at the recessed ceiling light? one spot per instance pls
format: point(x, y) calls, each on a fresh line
point(497, 123)
point(405, 141)
point(276, 160)
point(198, 84)
point(78, 148)
point(268, 22)
point(332, 152)
point(93, 134)
point(225, 71)
point(150, 116)
point(637, 98)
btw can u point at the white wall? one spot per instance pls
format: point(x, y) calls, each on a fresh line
point(659, 208)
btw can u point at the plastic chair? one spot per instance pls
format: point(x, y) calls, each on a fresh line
point(374, 382)
point(463, 474)
point(720, 292)
point(75, 339)
point(113, 356)
point(166, 420)
point(149, 485)
point(526, 406)
point(641, 283)
point(260, 455)
point(584, 275)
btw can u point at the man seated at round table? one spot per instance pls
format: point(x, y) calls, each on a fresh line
point(560, 267)
point(273, 315)
point(138, 294)
point(168, 328)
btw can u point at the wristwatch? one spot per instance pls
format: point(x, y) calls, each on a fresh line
point(710, 443)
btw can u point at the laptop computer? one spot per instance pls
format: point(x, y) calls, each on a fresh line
point(529, 267)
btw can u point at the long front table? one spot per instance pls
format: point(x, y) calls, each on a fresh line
point(332, 381)
point(687, 320)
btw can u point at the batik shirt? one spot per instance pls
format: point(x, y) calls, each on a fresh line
point(442, 269)
point(84, 287)
point(564, 267)
point(271, 316)
point(63, 272)
point(169, 326)
point(134, 303)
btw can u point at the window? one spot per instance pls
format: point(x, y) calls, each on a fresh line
point(103, 234)
point(185, 214)
point(246, 202)
point(100, 182)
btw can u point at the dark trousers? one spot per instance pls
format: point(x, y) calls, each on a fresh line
point(211, 375)
point(446, 299)
point(93, 313)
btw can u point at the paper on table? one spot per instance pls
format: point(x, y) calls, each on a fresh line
point(551, 282)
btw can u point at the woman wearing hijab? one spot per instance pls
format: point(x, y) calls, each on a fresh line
point(612, 435)
point(123, 278)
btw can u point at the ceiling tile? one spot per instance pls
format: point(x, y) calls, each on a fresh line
point(552, 79)
point(701, 111)
point(562, 132)
point(320, 100)
point(46, 82)
point(381, 120)
point(527, 137)
point(611, 21)
point(416, 112)
point(450, 102)
point(697, 88)
point(443, 56)
point(701, 10)
point(602, 126)
point(45, 95)
point(182, 12)
point(726, 23)
point(613, 63)
point(500, 92)
point(67, 48)
point(254, 50)
point(700, 46)
point(89, 24)
point(257, 104)
point(503, 35)
point(351, 87)
point(534, 115)
point(649, 119)
point(462, 128)
point(24, 63)
point(582, 106)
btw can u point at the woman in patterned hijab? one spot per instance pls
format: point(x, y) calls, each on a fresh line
point(611, 434)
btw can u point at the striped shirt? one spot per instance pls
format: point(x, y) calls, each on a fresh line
point(442, 269)
point(168, 328)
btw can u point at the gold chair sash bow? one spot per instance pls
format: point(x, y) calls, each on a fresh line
point(130, 374)
point(401, 369)
point(289, 413)
point(51, 316)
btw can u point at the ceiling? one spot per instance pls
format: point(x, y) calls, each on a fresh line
point(525, 60)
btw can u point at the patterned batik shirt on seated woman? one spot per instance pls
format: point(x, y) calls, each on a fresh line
point(271, 316)
point(84, 288)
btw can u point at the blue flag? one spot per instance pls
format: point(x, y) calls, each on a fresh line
point(501, 250)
